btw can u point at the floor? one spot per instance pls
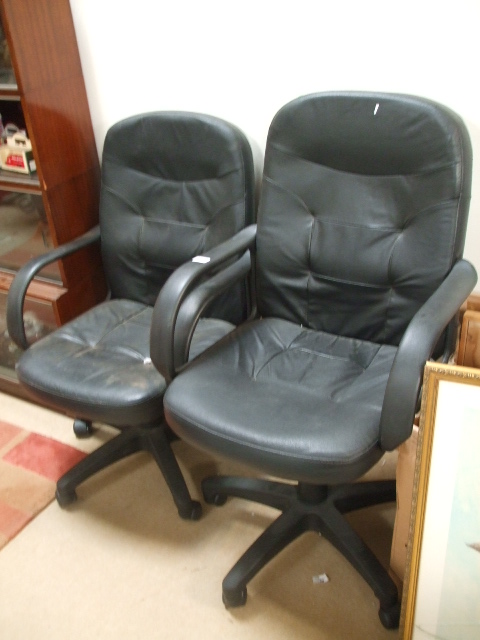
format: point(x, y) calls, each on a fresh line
point(121, 564)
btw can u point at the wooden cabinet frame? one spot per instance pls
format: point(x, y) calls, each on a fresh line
point(50, 86)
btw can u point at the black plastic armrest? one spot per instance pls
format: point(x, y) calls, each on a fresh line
point(25, 275)
point(195, 303)
point(179, 285)
point(416, 347)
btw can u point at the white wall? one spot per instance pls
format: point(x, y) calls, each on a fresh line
point(243, 60)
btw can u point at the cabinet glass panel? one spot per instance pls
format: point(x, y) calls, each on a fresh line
point(39, 321)
point(12, 115)
point(24, 232)
point(17, 164)
point(7, 77)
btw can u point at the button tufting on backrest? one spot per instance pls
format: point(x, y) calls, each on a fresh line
point(357, 192)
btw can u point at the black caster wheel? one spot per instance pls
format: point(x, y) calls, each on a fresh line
point(235, 599)
point(64, 498)
point(82, 428)
point(390, 616)
point(191, 512)
point(217, 499)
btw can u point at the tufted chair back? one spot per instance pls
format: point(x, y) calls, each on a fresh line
point(345, 241)
point(156, 207)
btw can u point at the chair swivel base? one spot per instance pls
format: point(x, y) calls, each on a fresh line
point(154, 440)
point(304, 508)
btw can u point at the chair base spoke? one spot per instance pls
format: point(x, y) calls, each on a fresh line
point(307, 508)
point(154, 440)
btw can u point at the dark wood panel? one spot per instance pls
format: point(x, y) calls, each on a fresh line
point(41, 31)
point(72, 206)
point(61, 131)
point(73, 209)
point(85, 265)
point(83, 295)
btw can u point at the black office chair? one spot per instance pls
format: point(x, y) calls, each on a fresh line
point(361, 227)
point(174, 185)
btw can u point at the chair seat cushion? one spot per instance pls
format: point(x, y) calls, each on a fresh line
point(289, 396)
point(99, 366)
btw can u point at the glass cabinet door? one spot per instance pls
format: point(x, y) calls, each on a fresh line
point(7, 77)
point(24, 232)
point(24, 229)
point(39, 321)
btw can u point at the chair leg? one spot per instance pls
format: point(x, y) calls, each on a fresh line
point(342, 536)
point(307, 508)
point(124, 444)
point(288, 526)
point(157, 442)
point(357, 495)
point(154, 440)
point(278, 495)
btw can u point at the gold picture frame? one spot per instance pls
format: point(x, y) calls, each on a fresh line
point(441, 596)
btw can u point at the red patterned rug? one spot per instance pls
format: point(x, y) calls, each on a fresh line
point(30, 465)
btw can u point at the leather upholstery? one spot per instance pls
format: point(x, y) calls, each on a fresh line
point(173, 185)
point(361, 226)
point(362, 215)
point(289, 423)
point(102, 365)
point(369, 203)
point(169, 193)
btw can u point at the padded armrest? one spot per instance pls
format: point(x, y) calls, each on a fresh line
point(195, 303)
point(416, 347)
point(217, 264)
point(25, 275)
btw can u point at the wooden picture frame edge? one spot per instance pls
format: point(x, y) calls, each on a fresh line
point(433, 374)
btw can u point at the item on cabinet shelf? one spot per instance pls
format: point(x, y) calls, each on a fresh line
point(10, 130)
point(19, 139)
point(16, 154)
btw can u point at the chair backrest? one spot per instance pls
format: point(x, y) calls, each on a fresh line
point(174, 184)
point(363, 211)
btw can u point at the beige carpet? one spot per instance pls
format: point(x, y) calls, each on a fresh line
point(120, 564)
point(30, 466)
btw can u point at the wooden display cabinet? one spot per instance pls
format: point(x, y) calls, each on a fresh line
point(42, 91)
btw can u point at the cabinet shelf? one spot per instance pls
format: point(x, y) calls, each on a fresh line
point(10, 181)
point(8, 90)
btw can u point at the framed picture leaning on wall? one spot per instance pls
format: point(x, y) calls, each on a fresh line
point(441, 597)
